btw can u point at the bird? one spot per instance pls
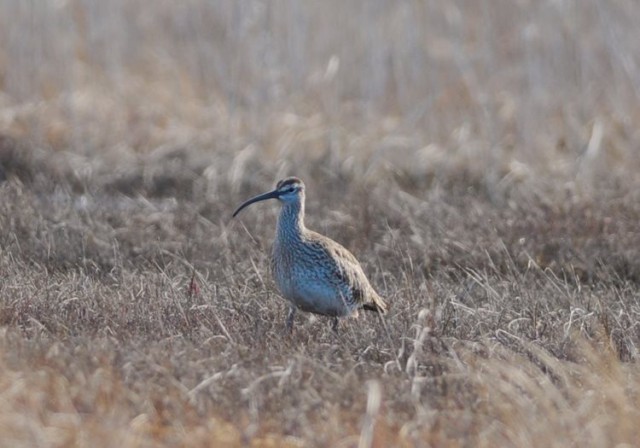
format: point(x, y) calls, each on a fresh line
point(312, 272)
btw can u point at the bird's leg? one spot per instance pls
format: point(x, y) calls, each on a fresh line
point(290, 317)
point(334, 324)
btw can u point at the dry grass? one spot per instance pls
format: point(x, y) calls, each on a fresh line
point(480, 158)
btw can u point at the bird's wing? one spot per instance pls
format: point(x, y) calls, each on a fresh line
point(346, 270)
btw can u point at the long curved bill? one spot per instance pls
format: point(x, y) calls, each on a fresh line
point(261, 197)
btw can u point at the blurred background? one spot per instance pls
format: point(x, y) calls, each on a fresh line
point(479, 157)
point(496, 93)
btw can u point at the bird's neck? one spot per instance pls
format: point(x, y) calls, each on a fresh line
point(291, 220)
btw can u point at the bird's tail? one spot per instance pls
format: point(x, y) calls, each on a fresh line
point(377, 304)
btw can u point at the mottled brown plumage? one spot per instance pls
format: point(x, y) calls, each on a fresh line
point(313, 272)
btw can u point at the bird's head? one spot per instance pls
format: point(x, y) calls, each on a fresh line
point(287, 191)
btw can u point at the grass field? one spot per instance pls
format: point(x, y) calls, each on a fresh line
point(481, 159)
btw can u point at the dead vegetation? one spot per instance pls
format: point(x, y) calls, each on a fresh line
point(480, 159)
